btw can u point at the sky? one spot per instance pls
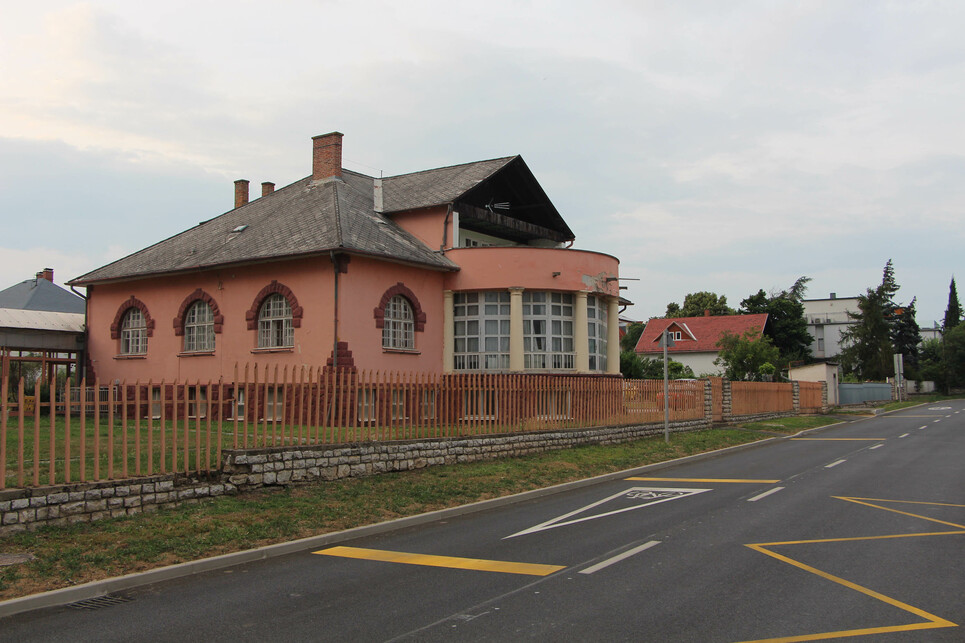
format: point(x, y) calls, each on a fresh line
point(710, 146)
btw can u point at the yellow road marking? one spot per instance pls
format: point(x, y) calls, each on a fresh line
point(706, 480)
point(931, 621)
point(452, 562)
point(840, 439)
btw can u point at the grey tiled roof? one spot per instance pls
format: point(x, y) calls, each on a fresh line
point(303, 218)
point(438, 186)
point(40, 294)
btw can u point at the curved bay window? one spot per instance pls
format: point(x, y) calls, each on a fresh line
point(548, 330)
point(398, 331)
point(275, 328)
point(133, 333)
point(596, 319)
point(199, 328)
point(481, 333)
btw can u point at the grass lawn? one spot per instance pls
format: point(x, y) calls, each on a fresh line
point(790, 425)
point(81, 553)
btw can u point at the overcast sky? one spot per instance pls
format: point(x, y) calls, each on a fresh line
point(723, 146)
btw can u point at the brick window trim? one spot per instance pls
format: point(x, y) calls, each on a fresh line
point(400, 288)
point(198, 295)
point(251, 316)
point(133, 302)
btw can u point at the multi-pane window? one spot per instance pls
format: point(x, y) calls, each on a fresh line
point(199, 328)
point(275, 403)
point(237, 408)
point(548, 330)
point(399, 328)
point(197, 402)
point(481, 331)
point(133, 333)
point(275, 328)
point(596, 320)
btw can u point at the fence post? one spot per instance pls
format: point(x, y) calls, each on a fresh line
point(726, 400)
point(824, 397)
point(708, 404)
point(796, 396)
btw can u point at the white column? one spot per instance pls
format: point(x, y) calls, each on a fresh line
point(516, 361)
point(581, 339)
point(613, 335)
point(448, 328)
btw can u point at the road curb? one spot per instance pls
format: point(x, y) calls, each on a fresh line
point(67, 595)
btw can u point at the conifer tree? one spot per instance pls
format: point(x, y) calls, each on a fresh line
point(953, 314)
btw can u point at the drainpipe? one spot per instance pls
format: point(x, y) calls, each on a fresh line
point(335, 342)
point(445, 229)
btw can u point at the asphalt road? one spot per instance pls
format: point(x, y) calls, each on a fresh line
point(857, 530)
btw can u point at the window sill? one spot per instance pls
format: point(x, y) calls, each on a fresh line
point(401, 351)
point(280, 349)
point(141, 356)
point(196, 354)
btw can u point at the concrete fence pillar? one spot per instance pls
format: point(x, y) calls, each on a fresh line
point(825, 407)
point(796, 396)
point(726, 401)
point(708, 404)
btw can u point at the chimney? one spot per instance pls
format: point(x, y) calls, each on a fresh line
point(241, 192)
point(327, 156)
point(834, 295)
point(706, 312)
point(46, 273)
point(377, 195)
point(267, 188)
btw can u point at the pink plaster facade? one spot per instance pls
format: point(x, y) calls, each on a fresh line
point(234, 291)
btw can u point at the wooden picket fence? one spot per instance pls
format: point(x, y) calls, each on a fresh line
point(91, 432)
point(752, 398)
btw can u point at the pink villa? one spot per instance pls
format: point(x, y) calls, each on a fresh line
point(466, 268)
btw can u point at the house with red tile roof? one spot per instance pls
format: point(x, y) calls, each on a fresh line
point(695, 338)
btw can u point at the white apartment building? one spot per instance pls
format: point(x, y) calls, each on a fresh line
point(827, 319)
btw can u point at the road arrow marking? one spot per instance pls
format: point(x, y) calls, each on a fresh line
point(635, 497)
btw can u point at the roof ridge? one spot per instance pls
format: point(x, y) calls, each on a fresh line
point(447, 167)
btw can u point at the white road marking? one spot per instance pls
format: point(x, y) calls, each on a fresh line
point(938, 420)
point(764, 495)
point(834, 464)
point(648, 495)
point(922, 427)
point(619, 557)
point(903, 435)
point(877, 446)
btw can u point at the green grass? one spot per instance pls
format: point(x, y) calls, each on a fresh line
point(791, 425)
point(919, 399)
point(86, 552)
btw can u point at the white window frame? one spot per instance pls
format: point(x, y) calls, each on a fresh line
point(481, 333)
point(548, 340)
point(199, 328)
point(596, 321)
point(133, 332)
point(275, 329)
point(398, 329)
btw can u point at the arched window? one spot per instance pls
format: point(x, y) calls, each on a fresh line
point(398, 330)
point(133, 332)
point(275, 328)
point(199, 328)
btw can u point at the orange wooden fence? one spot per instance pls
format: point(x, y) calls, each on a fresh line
point(811, 396)
point(752, 398)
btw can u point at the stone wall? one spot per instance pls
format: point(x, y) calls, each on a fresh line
point(281, 466)
point(30, 508)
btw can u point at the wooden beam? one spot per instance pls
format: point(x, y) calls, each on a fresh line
point(529, 230)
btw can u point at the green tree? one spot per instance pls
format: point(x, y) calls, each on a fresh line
point(743, 357)
point(786, 325)
point(955, 356)
point(632, 366)
point(906, 336)
point(931, 363)
point(696, 303)
point(867, 351)
point(629, 341)
point(953, 313)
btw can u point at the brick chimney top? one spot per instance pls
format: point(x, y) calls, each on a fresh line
point(706, 312)
point(46, 273)
point(241, 192)
point(267, 188)
point(327, 156)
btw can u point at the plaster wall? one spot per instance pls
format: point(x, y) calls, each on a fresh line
point(429, 226)
point(533, 268)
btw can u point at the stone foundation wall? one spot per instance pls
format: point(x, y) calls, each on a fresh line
point(281, 466)
point(30, 508)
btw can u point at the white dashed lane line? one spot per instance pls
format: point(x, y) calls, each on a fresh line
point(877, 446)
point(834, 464)
point(764, 495)
point(904, 435)
point(619, 557)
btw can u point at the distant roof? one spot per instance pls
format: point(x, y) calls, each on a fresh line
point(41, 320)
point(698, 334)
point(313, 217)
point(40, 294)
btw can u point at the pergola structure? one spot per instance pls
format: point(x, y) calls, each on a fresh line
point(41, 323)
